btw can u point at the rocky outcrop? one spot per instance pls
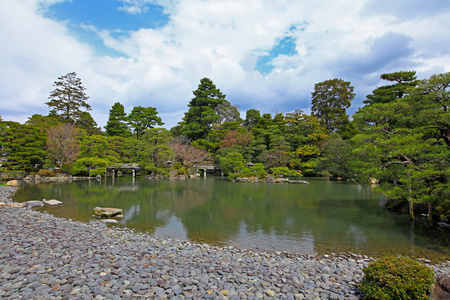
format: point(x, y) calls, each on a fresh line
point(12, 175)
point(14, 183)
point(107, 212)
point(270, 179)
point(441, 289)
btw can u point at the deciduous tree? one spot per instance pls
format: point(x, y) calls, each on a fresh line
point(62, 143)
point(330, 100)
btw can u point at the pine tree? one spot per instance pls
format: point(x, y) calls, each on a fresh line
point(117, 122)
point(68, 98)
point(203, 111)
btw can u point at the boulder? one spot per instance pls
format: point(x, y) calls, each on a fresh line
point(107, 212)
point(52, 202)
point(34, 204)
point(13, 183)
point(270, 179)
point(29, 178)
point(441, 289)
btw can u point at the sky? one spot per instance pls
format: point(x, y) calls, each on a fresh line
point(262, 54)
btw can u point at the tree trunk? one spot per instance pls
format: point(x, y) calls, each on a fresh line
point(430, 214)
point(411, 210)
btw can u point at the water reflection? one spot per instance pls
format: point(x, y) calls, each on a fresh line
point(322, 217)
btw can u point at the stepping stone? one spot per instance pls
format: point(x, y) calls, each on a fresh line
point(52, 202)
point(34, 203)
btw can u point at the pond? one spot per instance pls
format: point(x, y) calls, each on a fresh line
point(323, 217)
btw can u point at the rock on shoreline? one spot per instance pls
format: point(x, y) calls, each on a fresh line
point(45, 257)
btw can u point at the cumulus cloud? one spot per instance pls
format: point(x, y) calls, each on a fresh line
point(225, 41)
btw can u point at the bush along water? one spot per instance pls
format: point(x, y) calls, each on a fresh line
point(396, 277)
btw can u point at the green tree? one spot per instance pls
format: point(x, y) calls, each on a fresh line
point(202, 114)
point(404, 80)
point(117, 122)
point(86, 122)
point(337, 156)
point(330, 100)
point(233, 163)
point(252, 118)
point(68, 98)
point(403, 144)
point(43, 122)
point(23, 145)
point(90, 166)
point(155, 150)
point(142, 118)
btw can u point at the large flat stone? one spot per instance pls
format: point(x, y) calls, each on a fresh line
point(52, 202)
point(107, 212)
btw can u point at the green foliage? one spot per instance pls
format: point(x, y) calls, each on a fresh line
point(337, 156)
point(86, 122)
point(22, 145)
point(284, 171)
point(252, 118)
point(232, 163)
point(45, 173)
point(388, 93)
point(405, 144)
point(117, 122)
point(330, 100)
point(155, 150)
point(179, 168)
point(396, 278)
point(91, 166)
point(142, 118)
point(257, 170)
point(68, 98)
point(203, 110)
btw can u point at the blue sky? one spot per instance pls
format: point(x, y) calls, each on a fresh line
point(262, 54)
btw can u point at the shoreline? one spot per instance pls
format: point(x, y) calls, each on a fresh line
point(45, 257)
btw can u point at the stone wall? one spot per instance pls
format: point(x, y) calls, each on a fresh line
point(13, 175)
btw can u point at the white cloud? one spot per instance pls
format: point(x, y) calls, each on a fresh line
point(223, 40)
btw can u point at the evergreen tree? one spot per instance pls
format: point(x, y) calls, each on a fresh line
point(86, 122)
point(117, 122)
point(68, 98)
point(384, 94)
point(330, 100)
point(142, 118)
point(403, 143)
point(23, 146)
point(202, 114)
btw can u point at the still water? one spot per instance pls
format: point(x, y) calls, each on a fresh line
point(323, 217)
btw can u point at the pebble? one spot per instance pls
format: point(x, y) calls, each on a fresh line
point(45, 257)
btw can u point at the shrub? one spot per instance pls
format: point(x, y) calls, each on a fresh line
point(45, 173)
point(393, 277)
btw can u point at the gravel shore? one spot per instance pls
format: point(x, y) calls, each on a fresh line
point(44, 257)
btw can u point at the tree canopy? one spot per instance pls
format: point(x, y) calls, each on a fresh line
point(68, 98)
point(330, 100)
point(203, 110)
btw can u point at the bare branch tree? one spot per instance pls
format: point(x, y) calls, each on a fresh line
point(62, 143)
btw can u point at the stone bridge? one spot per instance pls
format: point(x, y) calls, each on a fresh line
point(205, 167)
